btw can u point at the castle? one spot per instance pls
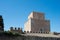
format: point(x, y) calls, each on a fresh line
point(36, 28)
point(37, 24)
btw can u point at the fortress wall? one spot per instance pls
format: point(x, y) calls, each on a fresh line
point(4, 37)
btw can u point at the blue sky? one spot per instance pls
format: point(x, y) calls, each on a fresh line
point(15, 12)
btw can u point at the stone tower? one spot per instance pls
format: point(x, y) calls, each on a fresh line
point(37, 24)
point(1, 24)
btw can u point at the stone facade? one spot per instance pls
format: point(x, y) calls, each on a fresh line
point(37, 24)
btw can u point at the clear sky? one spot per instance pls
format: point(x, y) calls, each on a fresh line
point(15, 12)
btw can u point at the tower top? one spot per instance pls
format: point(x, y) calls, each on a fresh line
point(36, 15)
point(0, 16)
point(37, 12)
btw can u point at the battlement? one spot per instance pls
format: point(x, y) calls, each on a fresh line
point(16, 30)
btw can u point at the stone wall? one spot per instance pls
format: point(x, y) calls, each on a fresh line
point(41, 38)
point(31, 36)
point(4, 37)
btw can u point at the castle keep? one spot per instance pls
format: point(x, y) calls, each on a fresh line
point(37, 24)
point(36, 28)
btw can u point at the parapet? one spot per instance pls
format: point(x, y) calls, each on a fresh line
point(16, 30)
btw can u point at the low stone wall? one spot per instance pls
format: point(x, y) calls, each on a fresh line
point(6, 37)
point(41, 38)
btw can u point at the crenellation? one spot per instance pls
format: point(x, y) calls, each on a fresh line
point(36, 28)
point(19, 30)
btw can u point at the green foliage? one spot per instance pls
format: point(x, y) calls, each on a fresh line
point(8, 33)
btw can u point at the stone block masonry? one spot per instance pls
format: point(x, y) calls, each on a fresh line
point(37, 23)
